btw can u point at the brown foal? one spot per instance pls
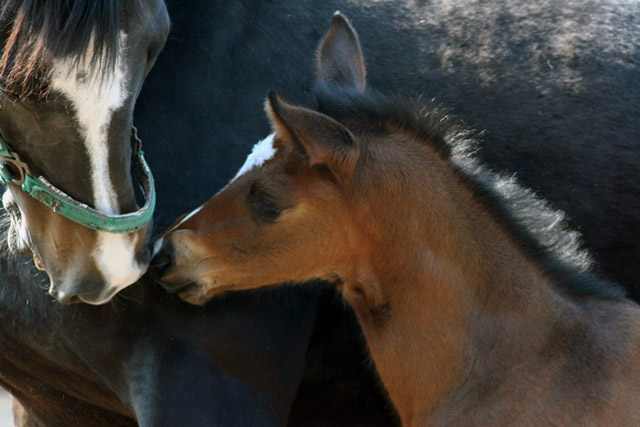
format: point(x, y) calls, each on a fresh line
point(466, 326)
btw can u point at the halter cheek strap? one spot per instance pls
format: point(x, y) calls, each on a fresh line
point(14, 171)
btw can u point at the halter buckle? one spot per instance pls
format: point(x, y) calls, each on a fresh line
point(12, 166)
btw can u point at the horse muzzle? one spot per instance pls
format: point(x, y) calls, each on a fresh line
point(94, 292)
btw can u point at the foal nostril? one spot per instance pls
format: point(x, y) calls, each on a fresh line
point(163, 260)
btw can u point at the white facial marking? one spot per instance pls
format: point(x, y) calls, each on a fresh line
point(191, 214)
point(157, 246)
point(94, 99)
point(261, 152)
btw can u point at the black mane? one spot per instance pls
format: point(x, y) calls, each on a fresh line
point(34, 31)
point(541, 232)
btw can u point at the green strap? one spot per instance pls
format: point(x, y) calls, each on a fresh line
point(4, 150)
point(5, 153)
point(63, 204)
point(5, 174)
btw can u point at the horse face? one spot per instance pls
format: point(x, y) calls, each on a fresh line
point(78, 138)
point(285, 217)
point(288, 215)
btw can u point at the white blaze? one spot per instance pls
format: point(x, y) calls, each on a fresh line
point(261, 152)
point(191, 214)
point(95, 98)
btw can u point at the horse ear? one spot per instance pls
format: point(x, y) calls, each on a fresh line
point(339, 59)
point(321, 140)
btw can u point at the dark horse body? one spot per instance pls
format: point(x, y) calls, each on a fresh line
point(555, 89)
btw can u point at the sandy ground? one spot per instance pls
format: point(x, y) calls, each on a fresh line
point(6, 420)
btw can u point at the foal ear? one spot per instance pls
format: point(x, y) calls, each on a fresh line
point(339, 59)
point(322, 140)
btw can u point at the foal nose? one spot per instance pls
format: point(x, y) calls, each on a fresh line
point(162, 261)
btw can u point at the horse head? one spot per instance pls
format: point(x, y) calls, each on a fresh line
point(71, 73)
point(289, 199)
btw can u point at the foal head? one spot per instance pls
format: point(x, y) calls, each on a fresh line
point(303, 205)
point(71, 72)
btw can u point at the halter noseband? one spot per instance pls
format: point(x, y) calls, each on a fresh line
point(63, 204)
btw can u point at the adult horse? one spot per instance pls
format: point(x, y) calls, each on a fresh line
point(70, 76)
point(509, 68)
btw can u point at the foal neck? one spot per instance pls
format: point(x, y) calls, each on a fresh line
point(460, 298)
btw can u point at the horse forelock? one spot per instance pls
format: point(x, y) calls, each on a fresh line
point(34, 32)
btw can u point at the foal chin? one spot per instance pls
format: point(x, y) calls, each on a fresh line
point(185, 266)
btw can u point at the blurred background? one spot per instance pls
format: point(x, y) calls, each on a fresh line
point(6, 419)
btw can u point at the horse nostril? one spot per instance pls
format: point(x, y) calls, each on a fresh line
point(144, 256)
point(64, 298)
point(162, 261)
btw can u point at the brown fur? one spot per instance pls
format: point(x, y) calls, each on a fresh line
point(463, 326)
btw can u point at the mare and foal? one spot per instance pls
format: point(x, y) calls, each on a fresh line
point(468, 320)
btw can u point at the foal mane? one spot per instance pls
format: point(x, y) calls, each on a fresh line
point(542, 233)
point(32, 32)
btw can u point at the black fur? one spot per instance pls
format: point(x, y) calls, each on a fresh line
point(34, 31)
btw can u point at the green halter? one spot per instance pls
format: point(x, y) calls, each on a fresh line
point(14, 171)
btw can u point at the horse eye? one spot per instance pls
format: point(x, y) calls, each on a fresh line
point(267, 209)
point(263, 205)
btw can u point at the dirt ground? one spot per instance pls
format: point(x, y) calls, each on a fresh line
point(6, 420)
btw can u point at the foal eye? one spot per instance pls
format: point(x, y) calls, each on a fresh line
point(267, 209)
point(263, 205)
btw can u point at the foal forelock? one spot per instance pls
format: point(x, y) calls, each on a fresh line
point(94, 98)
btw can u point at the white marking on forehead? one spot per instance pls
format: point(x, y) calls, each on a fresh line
point(95, 97)
point(261, 152)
